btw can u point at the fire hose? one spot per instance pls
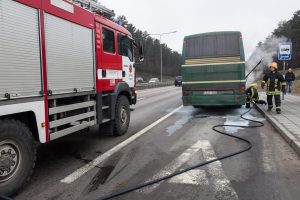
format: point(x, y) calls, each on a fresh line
point(215, 128)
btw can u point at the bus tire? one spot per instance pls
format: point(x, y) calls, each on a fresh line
point(17, 156)
point(122, 116)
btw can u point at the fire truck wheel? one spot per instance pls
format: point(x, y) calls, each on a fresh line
point(122, 117)
point(17, 156)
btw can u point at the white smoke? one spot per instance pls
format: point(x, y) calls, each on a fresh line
point(265, 51)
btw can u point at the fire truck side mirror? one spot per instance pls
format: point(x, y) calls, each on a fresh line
point(141, 52)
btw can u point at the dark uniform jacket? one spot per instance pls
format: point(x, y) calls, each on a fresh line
point(252, 94)
point(274, 81)
point(289, 76)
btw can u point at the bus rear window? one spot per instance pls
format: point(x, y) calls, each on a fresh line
point(212, 46)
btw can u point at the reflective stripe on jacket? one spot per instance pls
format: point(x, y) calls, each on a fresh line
point(275, 81)
point(252, 93)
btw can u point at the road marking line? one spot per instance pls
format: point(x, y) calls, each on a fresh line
point(221, 184)
point(175, 165)
point(193, 177)
point(219, 181)
point(140, 99)
point(81, 171)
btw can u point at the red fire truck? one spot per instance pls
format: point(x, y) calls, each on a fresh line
point(64, 67)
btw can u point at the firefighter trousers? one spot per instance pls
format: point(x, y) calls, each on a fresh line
point(277, 101)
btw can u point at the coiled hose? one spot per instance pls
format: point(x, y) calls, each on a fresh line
point(215, 128)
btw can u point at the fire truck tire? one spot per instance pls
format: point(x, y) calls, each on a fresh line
point(122, 116)
point(17, 156)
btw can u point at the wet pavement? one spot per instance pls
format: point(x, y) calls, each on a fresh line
point(270, 170)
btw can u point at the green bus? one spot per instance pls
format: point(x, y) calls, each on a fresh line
point(213, 73)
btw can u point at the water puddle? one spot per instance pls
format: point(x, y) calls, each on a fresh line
point(178, 125)
point(237, 120)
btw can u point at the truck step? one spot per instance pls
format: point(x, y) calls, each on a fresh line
point(105, 120)
point(105, 107)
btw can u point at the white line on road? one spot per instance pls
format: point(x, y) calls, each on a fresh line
point(81, 171)
point(217, 178)
point(175, 165)
point(221, 184)
point(193, 177)
point(140, 99)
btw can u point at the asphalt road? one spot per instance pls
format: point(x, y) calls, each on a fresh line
point(270, 170)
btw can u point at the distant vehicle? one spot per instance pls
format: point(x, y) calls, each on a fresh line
point(154, 80)
point(214, 69)
point(178, 81)
point(139, 80)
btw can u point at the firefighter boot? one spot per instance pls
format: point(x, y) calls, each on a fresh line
point(262, 102)
point(278, 103)
point(270, 108)
point(247, 105)
point(278, 110)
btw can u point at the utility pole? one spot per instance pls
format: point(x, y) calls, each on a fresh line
point(161, 61)
point(161, 54)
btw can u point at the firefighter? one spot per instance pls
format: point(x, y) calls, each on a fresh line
point(253, 96)
point(275, 84)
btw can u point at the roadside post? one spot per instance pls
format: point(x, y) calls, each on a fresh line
point(284, 54)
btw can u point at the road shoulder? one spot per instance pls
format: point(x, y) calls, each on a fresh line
point(286, 123)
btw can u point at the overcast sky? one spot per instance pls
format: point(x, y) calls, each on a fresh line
point(256, 19)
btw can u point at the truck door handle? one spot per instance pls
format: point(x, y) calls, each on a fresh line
point(103, 73)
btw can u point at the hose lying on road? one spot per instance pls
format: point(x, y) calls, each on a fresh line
point(215, 128)
point(249, 146)
point(4, 198)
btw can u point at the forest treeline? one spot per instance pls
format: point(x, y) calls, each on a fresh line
point(171, 59)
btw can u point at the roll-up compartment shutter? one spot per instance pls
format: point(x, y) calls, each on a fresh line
point(20, 66)
point(69, 52)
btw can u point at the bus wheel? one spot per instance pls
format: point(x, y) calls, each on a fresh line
point(122, 117)
point(17, 156)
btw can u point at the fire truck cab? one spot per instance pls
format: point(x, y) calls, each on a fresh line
point(64, 67)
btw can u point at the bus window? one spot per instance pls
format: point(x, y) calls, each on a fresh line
point(213, 46)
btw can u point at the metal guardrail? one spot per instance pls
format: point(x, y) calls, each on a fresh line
point(142, 86)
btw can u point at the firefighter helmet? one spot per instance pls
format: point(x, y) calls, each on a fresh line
point(274, 65)
point(254, 85)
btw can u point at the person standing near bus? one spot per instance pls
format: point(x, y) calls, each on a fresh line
point(275, 84)
point(289, 78)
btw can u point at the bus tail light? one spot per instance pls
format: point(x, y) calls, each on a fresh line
point(242, 89)
point(184, 92)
